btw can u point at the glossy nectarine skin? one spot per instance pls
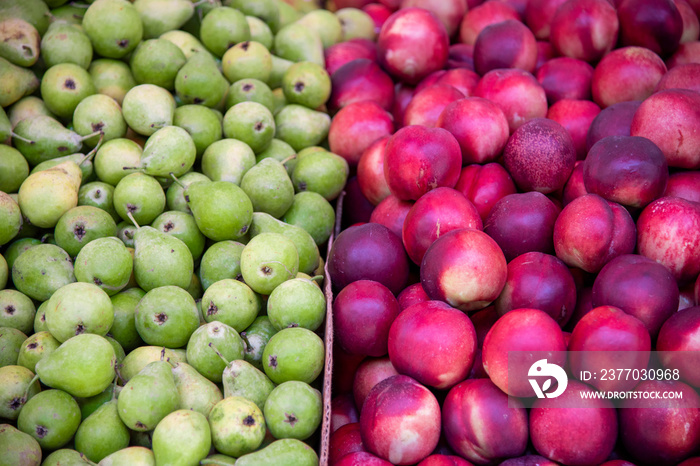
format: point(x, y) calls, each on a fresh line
point(481, 424)
point(485, 185)
point(678, 344)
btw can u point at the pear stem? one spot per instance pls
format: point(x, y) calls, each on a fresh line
point(87, 461)
point(244, 337)
point(26, 392)
point(291, 157)
point(25, 140)
point(119, 375)
point(211, 345)
point(92, 153)
point(92, 135)
point(131, 217)
point(179, 183)
point(162, 354)
point(317, 278)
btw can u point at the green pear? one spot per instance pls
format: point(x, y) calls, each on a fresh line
point(307, 84)
point(297, 42)
point(15, 383)
point(256, 337)
point(201, 123)
point(293, 410)
point(285, 451)
point(222, 28)
point(64, 86)
point(147, 107)
point(100, 195)
point(102, 433)
point(112, 78)
point(325, 24)
point(157, 61)
point(247, 59)
point(18, 448)
point(99, 113)
point(249, 90)
point(268, 260)
point(65, 456)
point(41, 270)
point(166, 316)
point(237, 426)
point(51, 417)
point(307, 249)
point(313, 213)
point(301, 127)
point(140, 196)
point(175, 195)
point(114, 27)
point(294, 354)
point(196, 392)
point(34, 12)
point(105, 262)
point(186, 42)
point(356, 24)
point(220, 261)
point(231, 302)
point(211, 346)
point(132, 456)
point(148, 397)
point(266, 10)
point(4, 272)
point(27, 107)
point(81, 225)
point(240, 378)
point(250, 122)
point(161, 260)
point(199, 81)
point(322, 172)
point(66, 12)
point(260, 32)
point(118, 350)
point(35, 348)
point(40, 318)
point(170, 150)
point(221, 209)
point(16, 311)
point(14, 169)
point(79, 308)
point(10, 217)
point(124, 327)
point(160, 16)
point(66, 43)
point(113, 156)
point(280, 151)
point(46, 195)
point(90, 404)
point(142, 356)
point(183, 227)
point(41, 137)
point(82, 366)
point(269, 187)
point(126, 233)
point(84, 165)
point(279, 67)
point(182, 438)
point(227, 160)
point(16, 248)
point(11, 341)
point(297, 303)
point(195, 290)
point(19, 42)
point(289, 13)
point(218, 460)
point(16, 83)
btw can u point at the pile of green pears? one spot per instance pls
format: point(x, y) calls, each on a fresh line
point(165, 192)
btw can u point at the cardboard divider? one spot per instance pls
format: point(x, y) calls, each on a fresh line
point(328, 340)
